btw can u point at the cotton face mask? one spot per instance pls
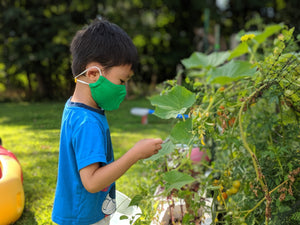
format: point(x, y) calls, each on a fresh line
point(106, 94)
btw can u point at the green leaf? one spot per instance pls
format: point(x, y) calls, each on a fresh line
point(211, 187)
point(270, 30)
point(167, 148)
point(123, 217)
point(284, 208)
point(182, 132)
point(136, 200)
point(175, 102)
point(232, 71)
point(187, 218)
point(176, 180)
point(199, 60)
point(241, 49)
point(296, 216)
point(288, 117)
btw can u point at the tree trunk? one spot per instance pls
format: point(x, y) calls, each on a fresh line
point(43, 76)
point(153, 83)
point(29, 90)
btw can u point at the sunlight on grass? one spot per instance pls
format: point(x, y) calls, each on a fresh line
point(31, 131)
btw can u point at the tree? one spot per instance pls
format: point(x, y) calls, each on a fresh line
point(35, 35)
point(36, 45)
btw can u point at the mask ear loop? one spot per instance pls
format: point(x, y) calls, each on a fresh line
point(81, 81)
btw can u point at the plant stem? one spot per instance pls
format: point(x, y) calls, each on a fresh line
point(261, 201)
point(253, 156)
point(211, 101)
point(259, 174)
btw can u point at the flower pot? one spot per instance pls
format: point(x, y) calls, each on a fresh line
point(176, 209)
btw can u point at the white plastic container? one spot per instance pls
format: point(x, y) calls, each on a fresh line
point(123, 209)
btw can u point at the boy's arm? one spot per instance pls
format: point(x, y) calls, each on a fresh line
point(95, 178)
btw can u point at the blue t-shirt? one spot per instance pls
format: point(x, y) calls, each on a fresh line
point(85, 139)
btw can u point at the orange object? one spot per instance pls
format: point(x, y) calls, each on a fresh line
point(11, 188)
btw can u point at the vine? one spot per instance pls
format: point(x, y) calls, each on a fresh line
point(235, 106)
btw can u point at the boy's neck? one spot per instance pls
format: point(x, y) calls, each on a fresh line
point(82, 94)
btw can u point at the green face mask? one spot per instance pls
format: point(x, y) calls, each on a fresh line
point(106, 94)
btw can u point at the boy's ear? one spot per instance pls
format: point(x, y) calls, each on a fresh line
point(93, 74)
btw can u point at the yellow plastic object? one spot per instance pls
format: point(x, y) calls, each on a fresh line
point(11, 190)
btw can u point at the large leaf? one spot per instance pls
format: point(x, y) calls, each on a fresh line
point(199, 60)
point(175, 102)
point(182, 132)
point(167, 148)
point(270, 30)
point(241, 49)
point(176, 180)
point(232, 71)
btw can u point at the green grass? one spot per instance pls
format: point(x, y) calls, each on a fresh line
point(31, 131)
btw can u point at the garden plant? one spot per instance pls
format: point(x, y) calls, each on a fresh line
point(244, 111)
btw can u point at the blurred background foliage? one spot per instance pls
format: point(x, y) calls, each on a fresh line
point(35, 36)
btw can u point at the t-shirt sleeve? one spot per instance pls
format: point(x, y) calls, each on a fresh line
point(89, 145)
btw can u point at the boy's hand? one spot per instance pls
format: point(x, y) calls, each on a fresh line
point(147, 147)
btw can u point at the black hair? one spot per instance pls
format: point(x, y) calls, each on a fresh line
point(103, 42)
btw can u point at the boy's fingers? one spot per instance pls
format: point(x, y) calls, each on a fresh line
point(158, 140)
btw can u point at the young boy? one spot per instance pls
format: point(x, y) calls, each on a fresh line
point(104, 58)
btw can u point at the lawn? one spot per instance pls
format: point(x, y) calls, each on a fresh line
point(31, 131)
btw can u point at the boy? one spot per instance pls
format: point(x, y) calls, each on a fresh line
point(104, 58)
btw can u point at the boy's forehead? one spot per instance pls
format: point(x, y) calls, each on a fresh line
point(127, 69)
